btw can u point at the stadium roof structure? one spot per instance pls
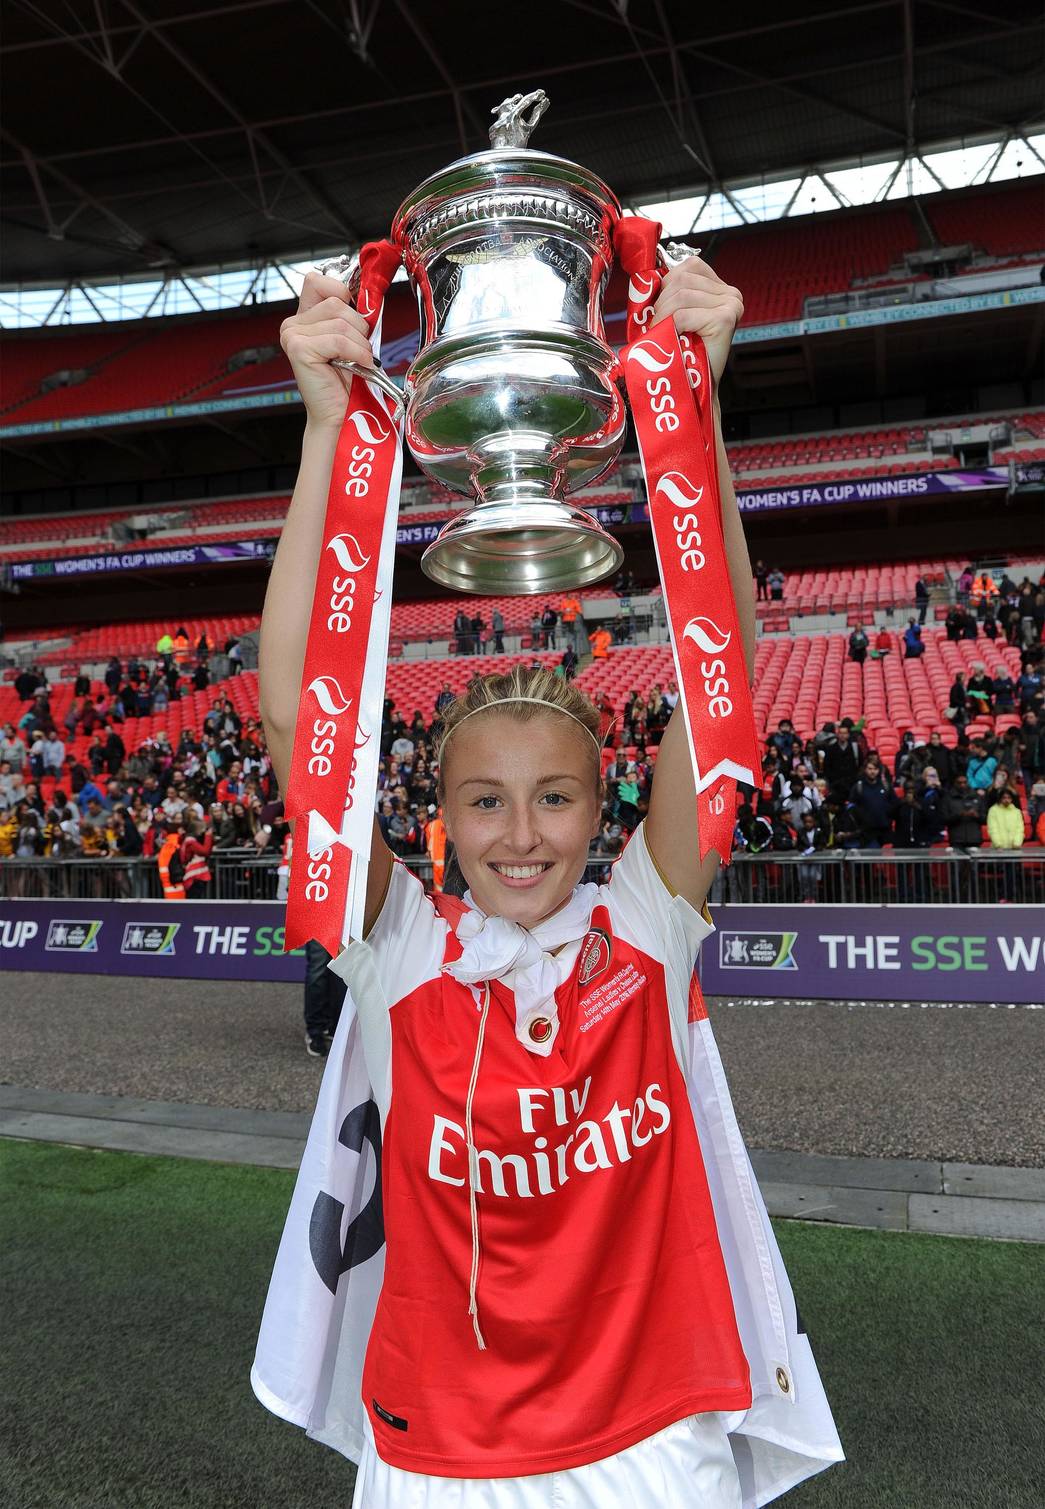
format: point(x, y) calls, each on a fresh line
point(150, 136)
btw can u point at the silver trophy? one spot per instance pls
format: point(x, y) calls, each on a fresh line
point(515, 396)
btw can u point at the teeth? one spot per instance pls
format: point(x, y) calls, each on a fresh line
point(520, 872)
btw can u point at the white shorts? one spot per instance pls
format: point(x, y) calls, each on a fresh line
point(689, 1465)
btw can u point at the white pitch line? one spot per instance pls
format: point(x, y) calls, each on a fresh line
point(881, 1005)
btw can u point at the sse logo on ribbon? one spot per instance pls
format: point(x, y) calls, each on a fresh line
point(368, 427)
point(349, 552)
point(666, 380)
point(325, 690)
point(342, 612)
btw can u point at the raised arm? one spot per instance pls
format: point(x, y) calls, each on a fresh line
point(324, 326)
point(700, 302)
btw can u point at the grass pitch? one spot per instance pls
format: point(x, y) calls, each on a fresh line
point(131, 1291)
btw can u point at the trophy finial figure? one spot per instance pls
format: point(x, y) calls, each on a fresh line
point(512, 125)
point(676, 252)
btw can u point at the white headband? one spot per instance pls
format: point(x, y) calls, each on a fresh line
point(537, 702)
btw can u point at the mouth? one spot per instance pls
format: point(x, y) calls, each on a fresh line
point(521, 877)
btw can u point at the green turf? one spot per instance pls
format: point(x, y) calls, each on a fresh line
point(131, 1290)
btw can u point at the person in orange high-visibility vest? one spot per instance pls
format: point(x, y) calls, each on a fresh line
point(984, 589)
point(569, 613)
point(600, 642)
point(435, 843)
point(170, 867)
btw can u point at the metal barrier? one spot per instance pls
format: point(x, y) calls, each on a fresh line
point(860, 876)
point(238, 875)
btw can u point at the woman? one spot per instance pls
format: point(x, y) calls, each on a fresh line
point(30, 840)
point(196, 847)
point(555, 1323)
point(958, 700)
point(1001, 781)
point(235, 829)
point(905, 756)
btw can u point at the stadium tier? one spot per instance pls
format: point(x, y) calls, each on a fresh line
point(793, 459)
point(852, 590)
point(778, 264)
point(806, 678)
point(130, 366)
point(1006, 221)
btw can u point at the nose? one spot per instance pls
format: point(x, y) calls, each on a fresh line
point(522, 834)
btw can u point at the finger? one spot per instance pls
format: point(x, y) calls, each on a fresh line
point(690, 266)
point(697, 304)
point(701, 323)
point(318, 286)
point(680, 296)
point(695, 274)
point(328, 309)
point(313, 348)
point(702, 287)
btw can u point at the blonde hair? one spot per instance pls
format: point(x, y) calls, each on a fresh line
point(523, 693)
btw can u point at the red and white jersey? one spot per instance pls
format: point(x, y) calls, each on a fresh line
point(602, 1292)
point(628, 1272)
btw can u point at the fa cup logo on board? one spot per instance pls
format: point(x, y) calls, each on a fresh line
point(368, 427)
point(328, 694)
point(349, 552)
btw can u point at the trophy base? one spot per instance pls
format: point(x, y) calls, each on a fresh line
point(521, 549)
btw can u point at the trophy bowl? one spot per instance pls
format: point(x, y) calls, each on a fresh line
point(515, 396)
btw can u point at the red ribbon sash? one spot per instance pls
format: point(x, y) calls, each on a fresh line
point(669, 387)
point(316, 894)
point(327, 736)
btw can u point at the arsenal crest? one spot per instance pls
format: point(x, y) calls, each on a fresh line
point(595, 955)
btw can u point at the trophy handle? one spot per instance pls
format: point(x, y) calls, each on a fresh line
point(347, 269)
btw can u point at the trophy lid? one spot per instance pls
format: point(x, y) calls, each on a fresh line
point(508, 165)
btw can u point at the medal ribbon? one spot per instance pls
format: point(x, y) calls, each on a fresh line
point(338, 727)
point(670, 391)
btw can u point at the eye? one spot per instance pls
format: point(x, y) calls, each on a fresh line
point(555, 798)
point(481, 803)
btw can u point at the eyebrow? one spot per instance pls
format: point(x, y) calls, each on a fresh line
point(544, 780)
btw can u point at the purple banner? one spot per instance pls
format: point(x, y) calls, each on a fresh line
point(751, 500)
point(931, 953)
point(609, 517)
point(187, 940)
point(140, 560)
point(887, 953)
point(868, 489)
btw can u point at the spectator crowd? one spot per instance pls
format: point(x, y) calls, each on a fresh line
point(834, 792)
point(215, 790)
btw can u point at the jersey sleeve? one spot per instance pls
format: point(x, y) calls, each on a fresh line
point(407, 939)
point(646, 912)
point(402, 950)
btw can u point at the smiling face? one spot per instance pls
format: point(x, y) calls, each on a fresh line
point(521, 807)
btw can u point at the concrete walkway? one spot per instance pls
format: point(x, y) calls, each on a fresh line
point(894, 1194)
